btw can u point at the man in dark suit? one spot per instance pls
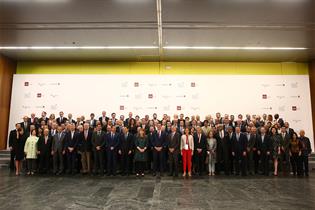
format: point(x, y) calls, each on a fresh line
point(239, 147)
point(12, 137)
point(61, 119)
point(113, 119)
point(85, 147)
point(44, 149)
point(103, 119)
point(70, 119)
point(43, 117)
point(264, 146)
point(126, 122)
point(252, 152)
point(200, 146)
point(306, 151)
point(126, 147)
point(92, 120)
point(26, 124)
point(173, 142)
point(289, 130)
point(285, 151)
point(98, 146)
point(34, 120)
point(158, 144)
point(58, 151)
point(111, 145)
point(71, 144)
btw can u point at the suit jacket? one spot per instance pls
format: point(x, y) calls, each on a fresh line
point(12, 136)
point(43, 119)
point(200, 144)
point(264, 145)
point(159, 141)
point(42, 147)
point(239, 145)
point(93, 123)
point(174, 142)
point(285, 141)
point(58, 142)
point(85, 144)
point(101, 120)
point(112, 141)
point(26, 127)
point(61, 121)
point(126, 143)
point(71, 141)
point(98, 140)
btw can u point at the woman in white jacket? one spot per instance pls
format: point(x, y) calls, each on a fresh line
point(30, 150)
point(187, 149)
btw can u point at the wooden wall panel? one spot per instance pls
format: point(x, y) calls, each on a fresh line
point(7, 69)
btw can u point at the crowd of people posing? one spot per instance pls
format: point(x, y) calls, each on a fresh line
point(187, 145)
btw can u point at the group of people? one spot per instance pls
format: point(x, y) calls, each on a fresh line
point(107, 145)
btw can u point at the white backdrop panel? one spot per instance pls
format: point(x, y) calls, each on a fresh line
point(288, 95)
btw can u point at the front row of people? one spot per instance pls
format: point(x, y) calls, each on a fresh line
point(230, 151)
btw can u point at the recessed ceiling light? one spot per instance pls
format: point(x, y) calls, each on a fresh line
point(73, 47)
point(230, 48)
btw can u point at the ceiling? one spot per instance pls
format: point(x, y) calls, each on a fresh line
point(224, 27)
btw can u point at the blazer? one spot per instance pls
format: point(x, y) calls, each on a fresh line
point(112, 141)
point(71, 142)
point(126, 144)
point(42, 147)
point(30, 147)
point(174, 142)
point(58, 143)
point(159, 141)
point(61, 121)
point(202, 144)
point(239, 145)
point(264, 146)
point(85, 144)
point(98, 140)
point(190, 142)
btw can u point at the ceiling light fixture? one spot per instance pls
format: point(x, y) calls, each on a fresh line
point(74, 47)
point(230, 48)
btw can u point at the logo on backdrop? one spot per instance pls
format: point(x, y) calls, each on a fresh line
point(26, 84)
point(192, 84)
point(136, 84)
point(121, 107)
point(179, 108)
point(39, 95)
point(150, 95)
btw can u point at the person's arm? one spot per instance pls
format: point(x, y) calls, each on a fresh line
point(11, 140)
point(104, 141)
point(192, 145)
point(26, 146)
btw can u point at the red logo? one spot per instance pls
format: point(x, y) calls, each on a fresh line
point(294, 108)
point(122, 107)
point(26, 83)
point(150, 95)
point(193, 84)
point(179, 107)
point(39, 95)
point(264, 96)
point(136, 84)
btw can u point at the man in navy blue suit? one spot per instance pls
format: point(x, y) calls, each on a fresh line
point(112, 143)
point(239, 146)
point(159, 145)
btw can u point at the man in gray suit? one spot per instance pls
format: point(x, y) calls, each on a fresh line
point(58, 151)
point(98, 145)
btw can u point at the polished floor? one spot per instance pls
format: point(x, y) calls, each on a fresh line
point(85, 192)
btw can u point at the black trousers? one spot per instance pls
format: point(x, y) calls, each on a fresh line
point(111, 161)
point(71, 162)
point(158, 160)
point(173, 162)
point(99, 161)
point(199, 161)
point(126, 163)
point(304, 165)
point(265, 163)
point(240, 164)
point(12, 164)
point(31, 165)
point(256, 161)
point(296, 164)
point(140, 166)
point(44, 162)
point(58, 162)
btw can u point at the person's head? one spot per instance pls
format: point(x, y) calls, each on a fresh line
point(86, 126)
point(113, 129)
point(154, 116)
point(294, 136)
point(210, 134)
point(72, 127)
point(159, 126)
point(98, 127)
point(125, 130)
point(276, 116)
point(104, 113)
point(218, 115)
point(174, 128)
point(46, 132)
point(61, 113)
point(302, 133)
point(130, 115)
point(141, 132)
point(69, 116)
point(33, 132)
point(80, 128)
point(33, 115)
point(43, 114)
point(253, 130)
point(25, 118)
point(232, 118)
point(21, 131)
point(113, 115)
point(237, 130)
point(92, 115)
point(286, 125)
point(199, 130)
point(17, 126)
point(273, 130)
point(283, 130)
point(186, 131)
point(230, 129)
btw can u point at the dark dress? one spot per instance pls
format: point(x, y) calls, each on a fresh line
point(18, 147)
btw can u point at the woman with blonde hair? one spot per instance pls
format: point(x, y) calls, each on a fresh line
point(187, 149)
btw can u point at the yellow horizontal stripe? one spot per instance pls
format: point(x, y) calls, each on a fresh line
point(238, 68)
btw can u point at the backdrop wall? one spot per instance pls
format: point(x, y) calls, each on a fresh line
point(190, 88)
